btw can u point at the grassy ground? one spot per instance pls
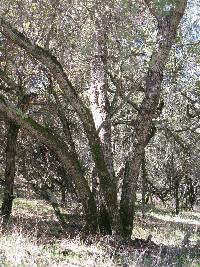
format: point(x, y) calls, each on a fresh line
point(35, 238)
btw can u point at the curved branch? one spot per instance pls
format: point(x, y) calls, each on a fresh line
point(45, 57)
point(53, 141)
point(50, 61)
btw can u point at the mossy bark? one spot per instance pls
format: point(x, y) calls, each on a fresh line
point(68, 159)
point(108, 183)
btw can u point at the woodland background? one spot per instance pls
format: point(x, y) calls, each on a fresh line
point(99, 111)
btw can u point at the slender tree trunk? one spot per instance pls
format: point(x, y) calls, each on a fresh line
point(66, 184)
point(176, 194)
point(144, 185)
point(192, 196)
point(12, 134)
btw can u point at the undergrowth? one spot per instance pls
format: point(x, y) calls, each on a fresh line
point(35, 238)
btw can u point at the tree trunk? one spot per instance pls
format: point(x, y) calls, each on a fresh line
point(100, 108)
point(176, 194)
point(167, 28)
point(12, 134)
point(68, 159)
point(100, 105)
point(144, 185)
point(108, 183)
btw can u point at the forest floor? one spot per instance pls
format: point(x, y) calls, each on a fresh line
point(35, 238)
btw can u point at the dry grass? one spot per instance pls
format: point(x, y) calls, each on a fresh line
point(35, 238)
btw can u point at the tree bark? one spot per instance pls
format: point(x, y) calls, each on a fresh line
point(100, 108)
point(56, 69)
point(176, 193)
point(167, 28)
point(144, 184)
point(68, 159)
point(100, 105)
point(12, 134)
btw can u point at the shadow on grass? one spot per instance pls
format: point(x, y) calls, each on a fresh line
point(162, 222)
point(39, 220)
point(162, 256)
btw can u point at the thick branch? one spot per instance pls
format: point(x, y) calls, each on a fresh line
point(53, 141)
point(56, 69)
point(50, 61)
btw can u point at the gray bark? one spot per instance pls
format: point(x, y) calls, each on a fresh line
point(56, 69)
point(100, 108)
point(167, 28)
point(100, 105)
point(67, 158)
